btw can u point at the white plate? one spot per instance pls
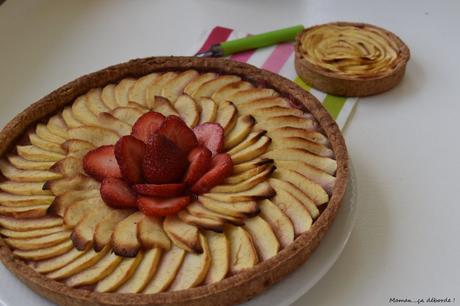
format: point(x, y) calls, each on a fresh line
point(296, 284)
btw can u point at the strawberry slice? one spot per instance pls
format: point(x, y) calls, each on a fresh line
point(162, 190)
point(117, 194)
point(200, 161)
point(210, 135)
point(129, 152)
point(222, 167)
point(146, 125)
point(101, 163)
point(151, 206)
point(178, 132)
point(163, 162)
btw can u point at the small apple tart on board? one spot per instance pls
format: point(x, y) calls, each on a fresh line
point(167, 181)
point(350, 59)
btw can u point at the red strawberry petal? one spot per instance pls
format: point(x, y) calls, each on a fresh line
point(222, 167)
point(117, 194)
point(146, 125)
point(162, 190)
point(151, 206)
point(175, 129)
point(129, 152)
point(210, 135)
point(200, 161)
point(101, 163)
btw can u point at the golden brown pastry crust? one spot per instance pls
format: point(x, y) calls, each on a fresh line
point(349, 85)
point(233, 289)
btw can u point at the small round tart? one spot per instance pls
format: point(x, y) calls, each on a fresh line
point(167, 180)
point(350, 59)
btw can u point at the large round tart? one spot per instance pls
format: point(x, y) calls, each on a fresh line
point(230, 241)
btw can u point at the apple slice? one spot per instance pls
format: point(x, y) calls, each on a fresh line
point(182, 234)
point(57, 262)
point(57, 126)
point(226, 116)
point(45, 253)
point(127, 114)
point(252, 94)
point(94, 102)
point(33, 211)
point(266, 103)
point(246, 184)
point(122, 89)
point(138, 92)
point(248, 174)
point(120, 274)
point(213, 224)
point(208, 88)
point(104, 229)
point(249, 165)
point(167, 270)
point(301, 143)
point(278, 221)
point(196, 83)
point(97, 136)
point(237, 210)
point(69, 118)
point(194, 268)
point(108, 96)
point(45, 134)
point(77, 211)
point(14, 200)
point(250, 139)
point(29, 224)
point(188, 110)
point(287, 121)
point(198, 210)
point(219, 248)
point(77, 147)
point(253, 151)
point(243, 254)
point(175, 87)
point(67, 198)
point(208, 109)
point(68, 166)
point(83, 233)
point(294, 209)
point(124, 237)
point(241, 130)
point(35, 243)
point(155, 88)
point(78, 182)
point(24, 164)
point(44, 144)
point(110, 122)
point(284, 132)
point(225, 93)
point(32, 188)
point(34, 153)
point(264, 239)
point(151, 233)
point(31, 234)
point(82, 113)
point(18, 175)
point(164, 107)
point(260, 191)
point(265, 113)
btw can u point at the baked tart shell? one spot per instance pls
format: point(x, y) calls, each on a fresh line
point(233, 289)
point(350, 85)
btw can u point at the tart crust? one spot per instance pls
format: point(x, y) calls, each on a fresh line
point(233, 289)
point(351, 85)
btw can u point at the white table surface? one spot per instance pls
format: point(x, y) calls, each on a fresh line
point(404, 143)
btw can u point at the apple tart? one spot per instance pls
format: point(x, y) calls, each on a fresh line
point(167, 180)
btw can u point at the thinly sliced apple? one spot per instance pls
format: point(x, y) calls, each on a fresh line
point(95, 273)
point(95, 135)
point(246, 175)
point(294, 209)
point(167, 270)
point(260, 191)
point(246, 184)
point(77, 182)
point(213, 224)
point(69, 118)
point(183, 235)
point(175, 87)
point(279, 222)
point(241, 130)
point(142, 108)
point(42, 131)
point(151, 234)
point(83, 262)
point(45, 253)
point(208, 110)
point(33, 188)
point(253, 151)
point(44, 144)
point(188, 110)
point(267, 102)
point(225, 93)
point(157, 86)
point(68, 166)
point(54, 263)
point(120, 274)
point(243, 254)
point(122, 90)
point(324, 163)
point(33, 153)
point(252, 94)
point(83, 233)
point(196, 83)
point(163, 106)
point(262, 114)
point(237, 210)
point(263, 237)
point(27, 244)
point(62, 201)
point(138, 91)
point(144, 272)
point(250, 139)
point(198, 210)
point(287, 121)
point(78, 210)
point(109, 121)
point(29, 224)
point(31, 234)
point(254, 163)
point(57, 126)
point(108, 96)
point(104, 229)
point(124, 236)
point(219, 248)
point(18, 175)
point(208, 88)
point(77, 147)
point(94, 101)
point(301, 143)
point(14, 200)
point(82, 113)
point(33, 211)
point(127, 114)
point(227, 115)
point(24, 164)
point(194, 268)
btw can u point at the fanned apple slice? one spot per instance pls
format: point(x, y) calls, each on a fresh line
point(224, 93)
point(198, 210)
point(124, 236)
point(54, 263)
point(252, 151)
point(24, 164)
point(248, 174)
point(193, 269)
point(83, 262)
point(167, 270)
point(294, 209)
point(219, 249)
point(241, 130)
point(188, 110)
point(237, 210)
point(157, 86)
point(94, 101)
point(213, 224)
point(45, 253)
point(95, 135)
point(68, 166)
point(246, 184)
point(104, 229)
point(33, 211)
point(122, 90)
point(263, 237)
point(77, 211)
point(83, 233)
point(143, 274)
point(33, 188)
point(69, 118)
point(109, 121)
point(44, 144)
point(324, 163)
point(120, 274)
point(31, 234)
point(29, 224)
point(287, 121)
point(64, 200)
point(33, 153)
point(252, 94)
point(127, 114)
point(227, 115)
point(57, 126)
point(138, 91)
point(208, 88)
point(267, 103)
point(243, 254)
point(27, 244)
point(250, 139)
point(208, 110)
point(151, 234)
point(95, 273)
point(14, 200)
point(260, 191)
point(108, 96)
point(76, 147)
point(77, 182)
point(266, 113)
point(138, 106)
point(301, 143)
point(18, 175)
point(196, 83)
point(45, 134)
point(82, 113)
point(183, 235)
point(164, 107)
point(249, 165)
point(175, 87)
point(279, 222)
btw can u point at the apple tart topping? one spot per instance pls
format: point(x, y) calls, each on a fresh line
point(165, 182)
